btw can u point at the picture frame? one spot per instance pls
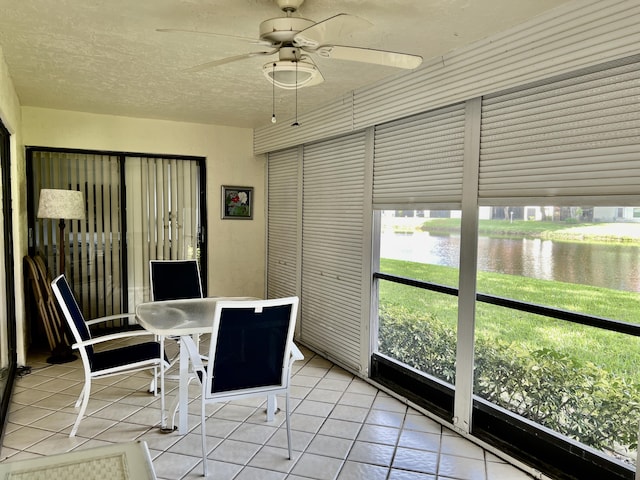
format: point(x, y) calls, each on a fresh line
point(237, 203)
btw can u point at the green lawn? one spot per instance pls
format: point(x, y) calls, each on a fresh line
point(615, 352)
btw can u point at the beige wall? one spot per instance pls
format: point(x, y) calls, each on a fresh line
point(236, 248)
point(10, 117)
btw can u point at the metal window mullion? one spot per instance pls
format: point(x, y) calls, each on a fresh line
point(463, 401)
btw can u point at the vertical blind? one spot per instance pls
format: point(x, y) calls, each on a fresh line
point(332, 247)
point(571, 136)
point(93, 246)
point(418, 159)
point(282, 226)
point(162, 216)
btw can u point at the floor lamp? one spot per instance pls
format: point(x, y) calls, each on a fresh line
point(61, 205)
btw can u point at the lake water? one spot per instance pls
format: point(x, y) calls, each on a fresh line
point(602, 265)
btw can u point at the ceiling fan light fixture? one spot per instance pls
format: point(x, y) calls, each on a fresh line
point(291, 74)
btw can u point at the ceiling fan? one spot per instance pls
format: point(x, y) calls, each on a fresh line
point(296, 39)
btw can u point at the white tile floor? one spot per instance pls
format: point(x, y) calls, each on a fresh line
point(342, 428)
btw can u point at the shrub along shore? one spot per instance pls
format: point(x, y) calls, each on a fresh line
point(578, 380)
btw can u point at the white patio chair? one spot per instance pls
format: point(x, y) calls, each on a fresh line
point(116, 361)
point(251, 353)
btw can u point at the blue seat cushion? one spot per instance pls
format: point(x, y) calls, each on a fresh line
point(125, 356)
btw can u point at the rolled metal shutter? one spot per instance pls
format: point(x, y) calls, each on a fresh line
point(418, 159)
point(575, 136)
point(332, 247)
point(282, 224)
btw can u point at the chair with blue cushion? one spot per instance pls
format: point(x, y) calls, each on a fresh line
point(251, 353)
point(104, 363)
point(175, 279)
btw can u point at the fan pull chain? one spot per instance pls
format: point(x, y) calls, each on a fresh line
point(273, 95)
point(296, 124)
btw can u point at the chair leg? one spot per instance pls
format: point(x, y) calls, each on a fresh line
point(172, 411)
point(272, 407)
point(203, 430)
point(81, 397)
point(86, 390)
point(163, 423)
point(286, 415)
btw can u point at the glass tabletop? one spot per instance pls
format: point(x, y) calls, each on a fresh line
point(180, 317)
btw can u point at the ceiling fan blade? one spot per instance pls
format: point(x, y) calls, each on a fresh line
point(212, 34)
point(369, 55)
point(223, 61)
point(328, 30)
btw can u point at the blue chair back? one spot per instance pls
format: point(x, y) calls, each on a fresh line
point(250, 348)
point(175, 279)
point(71, 311)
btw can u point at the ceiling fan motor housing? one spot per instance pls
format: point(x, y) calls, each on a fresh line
point(282, 30)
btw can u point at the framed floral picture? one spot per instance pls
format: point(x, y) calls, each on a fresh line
point(237, 203)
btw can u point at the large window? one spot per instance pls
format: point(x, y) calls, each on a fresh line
point(556, 339)
point(419, 254)
point(578, 375)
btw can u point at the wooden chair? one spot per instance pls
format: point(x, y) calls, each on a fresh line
point(55, 331)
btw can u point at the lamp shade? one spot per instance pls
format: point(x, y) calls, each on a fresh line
point(65, 204)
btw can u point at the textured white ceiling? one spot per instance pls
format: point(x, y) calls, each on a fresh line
point(105, 56)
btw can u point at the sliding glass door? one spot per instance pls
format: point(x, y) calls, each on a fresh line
point(163, 217)
point(138, 208)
